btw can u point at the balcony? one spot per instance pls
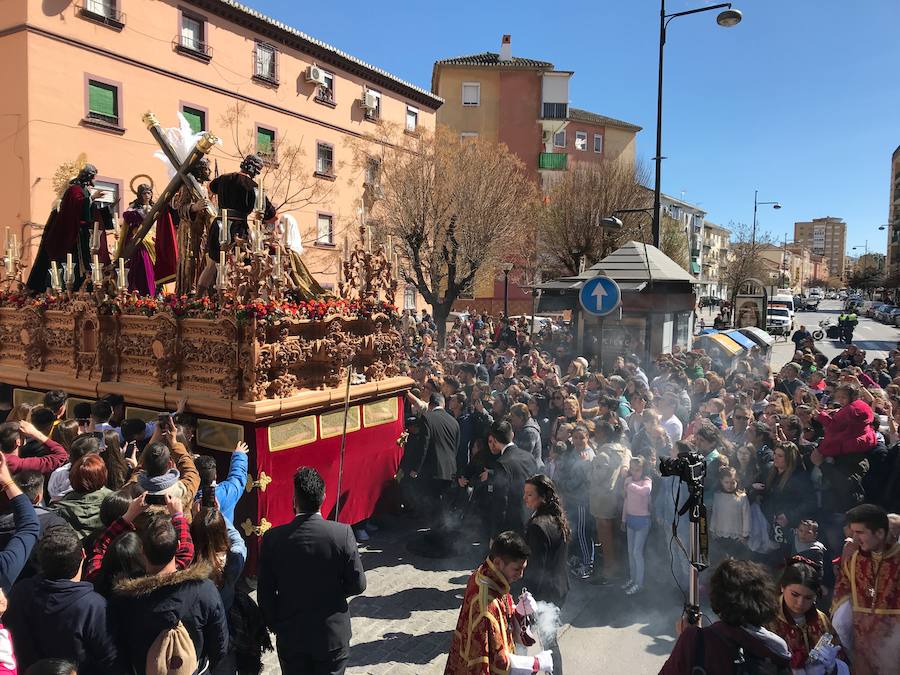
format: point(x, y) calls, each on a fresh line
point(103, 12)
point(555, 111)
point(193, 48)
point(553, 161)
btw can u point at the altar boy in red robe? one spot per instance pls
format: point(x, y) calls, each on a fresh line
point(869, 585)
point(489, 624)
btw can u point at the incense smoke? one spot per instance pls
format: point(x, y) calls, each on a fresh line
point(546, 621)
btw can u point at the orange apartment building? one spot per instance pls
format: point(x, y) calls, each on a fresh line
point(80, 76)
point(523, 103)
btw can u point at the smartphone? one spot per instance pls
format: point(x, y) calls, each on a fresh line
point(164, 417)
point(155, 499)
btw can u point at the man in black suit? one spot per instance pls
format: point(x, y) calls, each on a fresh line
point(506, 481)
point(307, 570)
point(437, 467)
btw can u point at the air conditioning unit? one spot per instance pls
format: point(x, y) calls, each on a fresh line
point(315, 74)
point(369, 101)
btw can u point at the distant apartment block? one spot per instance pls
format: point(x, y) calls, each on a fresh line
point(825, 236)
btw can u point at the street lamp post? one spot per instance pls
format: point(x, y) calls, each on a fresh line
point(727, 18)
point(756, 204)
point(507, 268)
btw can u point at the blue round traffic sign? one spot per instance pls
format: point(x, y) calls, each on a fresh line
point(600, 296)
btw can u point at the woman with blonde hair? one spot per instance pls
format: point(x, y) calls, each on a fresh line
point(20, 413)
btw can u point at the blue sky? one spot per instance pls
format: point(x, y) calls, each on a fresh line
point(800, 101)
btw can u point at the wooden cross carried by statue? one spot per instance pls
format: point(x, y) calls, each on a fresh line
point(182, 177)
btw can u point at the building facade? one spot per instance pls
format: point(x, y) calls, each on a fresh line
point(893, 228)
point(871, 262)
point(714, 256)
point(825, 236)
point(259, 85)
point(524, 104)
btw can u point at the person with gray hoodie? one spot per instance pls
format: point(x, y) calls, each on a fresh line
point(527, 432)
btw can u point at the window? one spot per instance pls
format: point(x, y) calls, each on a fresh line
point(581, 140)
point(412, 118)
point(195, 117)
point(265, 62)
point(265, 142)
point(409, 297)
point(326, 90)
point(559, 139)
point(325, 159)
point(110, 194)
point(471, 93)
point(103, 102)
point(598, 142)
point(373, 168)
point(372, 96)
point(325, 229)
point(104, 8)
point(192, 33)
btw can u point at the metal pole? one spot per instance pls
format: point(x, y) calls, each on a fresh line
point(506, 293)
point(659, 96)
point(753, 234)
point(337, 501)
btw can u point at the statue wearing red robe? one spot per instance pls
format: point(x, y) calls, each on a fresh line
point(68, 231)
point(870, 582)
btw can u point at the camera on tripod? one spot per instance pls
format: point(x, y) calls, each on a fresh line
point(690, 467)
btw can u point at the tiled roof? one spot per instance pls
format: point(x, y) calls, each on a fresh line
point(578, 115)
point(319, 49)
point(490, 59)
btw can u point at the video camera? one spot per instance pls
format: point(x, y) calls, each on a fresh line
point(690, 467)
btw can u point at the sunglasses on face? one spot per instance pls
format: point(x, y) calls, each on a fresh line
point(741, 417)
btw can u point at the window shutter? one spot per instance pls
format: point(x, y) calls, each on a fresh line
point(194, 119)
point(102, 100)
point(264, 141)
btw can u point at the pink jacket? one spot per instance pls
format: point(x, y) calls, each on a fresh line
point(848, 430)
point(637, 497)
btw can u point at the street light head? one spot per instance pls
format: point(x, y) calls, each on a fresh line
point(729, 18)
point(506, 267)
point(776, 206)
point(611, 222)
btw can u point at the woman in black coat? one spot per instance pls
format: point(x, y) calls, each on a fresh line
point(548, 538)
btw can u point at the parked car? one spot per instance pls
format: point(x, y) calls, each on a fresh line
point(709, 301)
point(868, 308)
point(894, 318)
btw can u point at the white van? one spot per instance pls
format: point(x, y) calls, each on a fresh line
point(786, 300)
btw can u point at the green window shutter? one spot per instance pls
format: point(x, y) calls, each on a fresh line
point(102, 99)
point(194, 118)
point(265, 139)
point(695, 268)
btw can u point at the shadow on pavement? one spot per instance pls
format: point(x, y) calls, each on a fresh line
point(419, 649)
point(401, 605)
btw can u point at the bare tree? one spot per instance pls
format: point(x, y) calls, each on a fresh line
point(744, 260)
point(673, 241)
point(453, 205)
point(569, 223)
point(287, 173)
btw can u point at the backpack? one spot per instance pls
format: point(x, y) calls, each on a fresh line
point(172, 653)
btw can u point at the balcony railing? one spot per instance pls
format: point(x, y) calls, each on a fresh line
point(553, 161)
point(102, 11)
point(555, 111)
point(196, 48)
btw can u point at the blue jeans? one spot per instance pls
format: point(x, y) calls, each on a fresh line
point(638, 527)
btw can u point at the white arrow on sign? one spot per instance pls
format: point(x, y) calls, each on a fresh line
point(599, 293)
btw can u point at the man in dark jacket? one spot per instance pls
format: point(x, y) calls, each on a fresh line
point(144, 607)
point(307, 570)
point(57, 615)
point(527, 432)
point(507, 480)
point(32, 485)
point(440, 443)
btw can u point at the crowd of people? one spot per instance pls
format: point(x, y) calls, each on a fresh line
point(513, 433)
point(118, 551)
